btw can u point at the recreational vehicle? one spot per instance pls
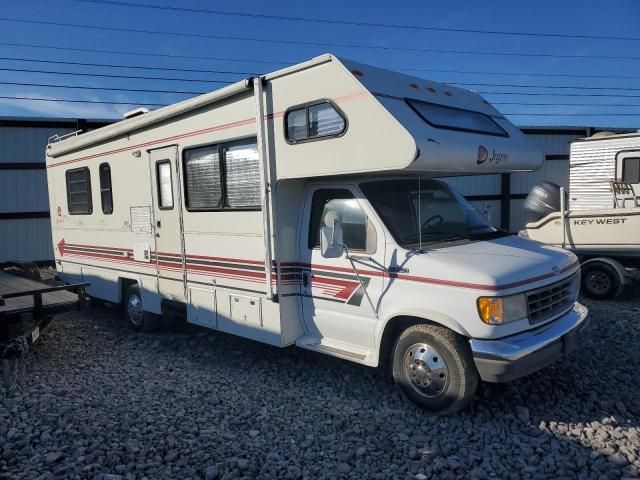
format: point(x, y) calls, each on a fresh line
point(301, 208)
point(599, 217)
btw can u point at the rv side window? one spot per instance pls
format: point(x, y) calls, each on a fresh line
point(106, 196)
point(165, 185)
point(450, 118)
point(223, 177)
point(203, 186)
point(242, 175)
point(631, 170)
point(314, 121)
point(358, 232)
point(79, 191)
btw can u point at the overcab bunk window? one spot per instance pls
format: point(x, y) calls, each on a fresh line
point(451, 118)
point(106, 196)
point(631, 170)
point(79, 191)
point(222, 177)
point(314, 121)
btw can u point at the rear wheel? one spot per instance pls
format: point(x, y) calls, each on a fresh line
point(601, 281)
point(434, 368)
point(139, 319)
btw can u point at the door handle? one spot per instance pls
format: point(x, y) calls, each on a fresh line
point(305, 280)
point(158, 224)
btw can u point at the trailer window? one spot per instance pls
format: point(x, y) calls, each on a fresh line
point(631, 170)
point(165, 185)
point(450, 118)
point(106, 196)
point(358, 232)
point(242, 175)
point(314, 121)
point(79, 191)
point(203, 183)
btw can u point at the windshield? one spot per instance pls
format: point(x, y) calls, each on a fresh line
point(426, 211)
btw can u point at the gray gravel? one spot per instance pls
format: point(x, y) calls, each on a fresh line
point(99, 401)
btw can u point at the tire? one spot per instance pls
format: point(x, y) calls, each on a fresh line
point(139, 320)
point(601, 281)
point(444, 385)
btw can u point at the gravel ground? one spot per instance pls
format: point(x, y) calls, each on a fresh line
point(97, 400)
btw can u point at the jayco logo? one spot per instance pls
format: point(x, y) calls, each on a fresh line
point(495, 158)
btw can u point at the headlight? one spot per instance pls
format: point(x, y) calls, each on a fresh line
point(499, 310)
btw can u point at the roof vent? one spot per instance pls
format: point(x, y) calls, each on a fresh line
point(602, 134)
point(134, 113)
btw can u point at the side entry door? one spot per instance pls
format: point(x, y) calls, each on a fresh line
point(334, 302)
point(167, 221)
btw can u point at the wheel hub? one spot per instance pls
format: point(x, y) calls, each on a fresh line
point(134, 309)
point(598, 282)
point(426, 370)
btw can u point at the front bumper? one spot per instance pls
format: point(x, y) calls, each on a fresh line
point(509, 358)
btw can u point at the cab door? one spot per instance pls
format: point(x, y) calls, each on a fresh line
point(167, 222)
point(334, 303)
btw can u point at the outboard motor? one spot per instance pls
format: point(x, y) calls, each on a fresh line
point(543, 199)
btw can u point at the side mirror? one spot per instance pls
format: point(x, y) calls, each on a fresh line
point(331, 243)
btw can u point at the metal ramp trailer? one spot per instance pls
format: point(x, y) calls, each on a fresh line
point(28, 305)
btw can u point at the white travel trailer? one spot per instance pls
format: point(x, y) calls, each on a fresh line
point(601, 222)
point(299, 208)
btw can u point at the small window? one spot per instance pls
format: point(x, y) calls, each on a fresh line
point(79, 191)
point(106, 196)
point(358, 233)
point(165, 185)
point(450, 118)
point(314, 121)
point(631, 170)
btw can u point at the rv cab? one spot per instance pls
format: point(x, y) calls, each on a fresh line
point(305, 208)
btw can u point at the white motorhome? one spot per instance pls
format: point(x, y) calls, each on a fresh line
point(599, 217)
point(300, 208)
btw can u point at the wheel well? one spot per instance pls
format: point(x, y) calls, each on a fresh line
point(125, 283)
point(393, 329)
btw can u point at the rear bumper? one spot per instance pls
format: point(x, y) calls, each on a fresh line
point(513, 357)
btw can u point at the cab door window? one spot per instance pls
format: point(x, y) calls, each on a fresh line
point(358, 232)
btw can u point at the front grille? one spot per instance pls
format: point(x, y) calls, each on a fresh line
point(548, 302)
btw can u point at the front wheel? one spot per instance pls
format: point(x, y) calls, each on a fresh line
point(434, 368)
point(139, 319)
point(601, 281)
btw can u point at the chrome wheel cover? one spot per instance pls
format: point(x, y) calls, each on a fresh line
point(598, 282)
point(134, 309)
point(426, 370)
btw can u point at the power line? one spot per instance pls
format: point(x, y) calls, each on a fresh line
point(68, 100)
point(570, 87)
point(144, 54)
point(107, 75)
point(357, 23)
point(136, 67)
point(198, 70)
point(114, 89)
point(187, 92)
point(315, 44)
point(65, 100)
point(555, 104)
point(206, 80)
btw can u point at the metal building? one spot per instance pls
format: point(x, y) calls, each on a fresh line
point(25, 232)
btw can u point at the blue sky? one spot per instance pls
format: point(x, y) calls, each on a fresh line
point(615, 18)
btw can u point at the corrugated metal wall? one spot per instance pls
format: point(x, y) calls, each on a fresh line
point(25, 231)
point(24, 211)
